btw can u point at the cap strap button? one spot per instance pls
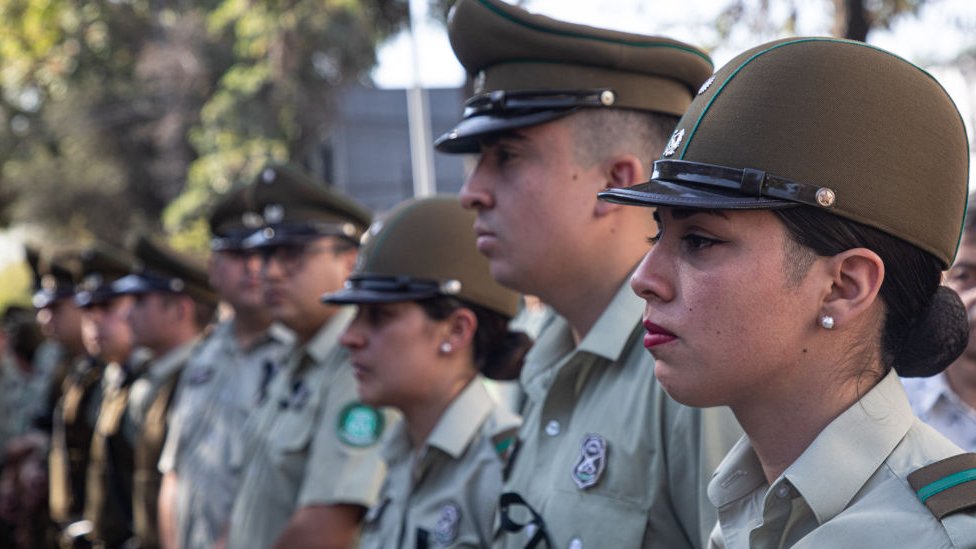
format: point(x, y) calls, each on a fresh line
point(826, 197)
point(607, 98)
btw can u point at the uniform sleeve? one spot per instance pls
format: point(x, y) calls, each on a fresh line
point(344, 463)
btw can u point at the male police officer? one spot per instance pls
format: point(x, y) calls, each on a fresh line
point(173, 305)
point(313, 465)
point(562, 111)
point(225, 379)
point(77, 411)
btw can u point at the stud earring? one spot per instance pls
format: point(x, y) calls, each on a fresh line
point(446, 348)
point(827, 322)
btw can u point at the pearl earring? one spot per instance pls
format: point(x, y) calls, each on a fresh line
point(827, 322)
point(446, 348)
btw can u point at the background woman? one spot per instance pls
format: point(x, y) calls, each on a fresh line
point(430, 319)
point(808, 201)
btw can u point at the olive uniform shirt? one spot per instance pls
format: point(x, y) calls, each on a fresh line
point(71, 435)
point(445, 494)
point(847, 490)
point(149, 402)
point(220, 387)
point(605, 458)
point(310, 443)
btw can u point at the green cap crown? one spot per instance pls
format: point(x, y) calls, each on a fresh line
point(829, 123)
point(425, 248)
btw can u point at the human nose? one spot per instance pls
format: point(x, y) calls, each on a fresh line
point(476, 192)
point(650, 281)
point(352, 337)
point(253, 264)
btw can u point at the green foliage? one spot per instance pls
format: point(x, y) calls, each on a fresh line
point(14, 285)
point(123, 115)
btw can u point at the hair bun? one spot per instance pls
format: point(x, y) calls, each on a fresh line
point(939, 336)
point(504, 361)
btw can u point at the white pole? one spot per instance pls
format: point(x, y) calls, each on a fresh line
point(418, 118)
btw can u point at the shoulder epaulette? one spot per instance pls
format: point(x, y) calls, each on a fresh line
point(946, 486)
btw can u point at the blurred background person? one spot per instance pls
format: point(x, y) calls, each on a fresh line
point(430, 321)
point(312, 458)
point(225, 379)
point(947, 401)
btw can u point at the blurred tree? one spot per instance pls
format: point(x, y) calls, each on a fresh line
point(112, 111)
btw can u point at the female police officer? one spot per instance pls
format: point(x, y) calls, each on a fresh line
point(430, 318)
point(808, 201)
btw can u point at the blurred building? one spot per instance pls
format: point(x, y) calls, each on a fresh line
point(367, 152)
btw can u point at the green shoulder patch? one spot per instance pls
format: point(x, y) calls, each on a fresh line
point(946, 486)
point(360, 425)
point(504, 443)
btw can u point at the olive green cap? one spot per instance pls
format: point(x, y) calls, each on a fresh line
point(834, 124)
point(295, 208)
point(424, 248)
point(101, 266)
point(159, 268)
point(529, 69)
point(60, 269)
point(234, 218)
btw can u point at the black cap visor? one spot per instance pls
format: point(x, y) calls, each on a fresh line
point(293, 235)
point(368, 288)
point(682, 184)
point(135, 284)
point(466, 137)
point(46, 297)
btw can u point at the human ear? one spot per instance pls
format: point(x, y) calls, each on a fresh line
point(622, 170)
point(856, 278)
point(461, 327)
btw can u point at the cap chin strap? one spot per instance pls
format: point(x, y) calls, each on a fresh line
point(512, 102)
point(747, 181)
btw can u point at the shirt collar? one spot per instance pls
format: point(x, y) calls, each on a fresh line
point(606, 339)
point(874, 425)
point(455, 429)
point(932, 390)
point(327, 338)
point(173, 360)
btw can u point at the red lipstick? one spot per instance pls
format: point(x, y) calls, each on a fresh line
point(656, 335)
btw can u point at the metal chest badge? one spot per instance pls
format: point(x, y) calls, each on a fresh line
point(446, 529)
point(592, 461)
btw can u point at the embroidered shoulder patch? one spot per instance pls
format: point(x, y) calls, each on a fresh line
point(504, 443)
point(360, 425)
point(946, 486)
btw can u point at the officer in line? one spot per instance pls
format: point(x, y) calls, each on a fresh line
point(77, 411)
point(59, 270)
point(224, 381)
point(561, 111)
point(172, 305)
point(312, 461)
point(804, 228)
point(108, 488)
point(430, 322)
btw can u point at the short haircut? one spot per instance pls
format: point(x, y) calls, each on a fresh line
point(603, 132)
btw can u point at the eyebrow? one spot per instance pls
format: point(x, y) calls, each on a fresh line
point(505, 135)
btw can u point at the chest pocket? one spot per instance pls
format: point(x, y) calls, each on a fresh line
point(295, 411)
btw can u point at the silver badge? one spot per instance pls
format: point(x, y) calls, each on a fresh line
point(673, 143)
point(704, 87)
point(592, 461)
point(252, 220)
point(446, 529)
point(274, 213)
point(268, 175)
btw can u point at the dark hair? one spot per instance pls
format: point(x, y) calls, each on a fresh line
point(498, 351)
point(600, 132)
point(916, 304)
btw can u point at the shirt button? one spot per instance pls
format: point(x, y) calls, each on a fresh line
point(552, 428)
point(783, 490)
point(575, 543)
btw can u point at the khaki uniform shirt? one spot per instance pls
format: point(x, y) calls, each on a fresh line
point(847, 490)
point(310, 443)
point(445, 494)
point(220, 387)
point(605, 458)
